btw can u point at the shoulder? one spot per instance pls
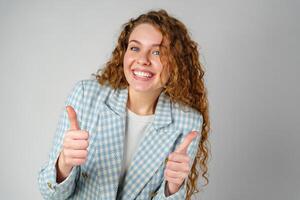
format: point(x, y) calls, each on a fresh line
point(92, 86)
point(88, 93)
point(91, 89)
point(87, 98)
point(186, 118)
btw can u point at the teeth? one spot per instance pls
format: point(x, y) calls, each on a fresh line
point(142, 74)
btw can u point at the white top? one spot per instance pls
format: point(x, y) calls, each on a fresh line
point(135, 130)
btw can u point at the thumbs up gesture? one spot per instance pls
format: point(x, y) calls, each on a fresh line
point(177, 166)
point(74, 151)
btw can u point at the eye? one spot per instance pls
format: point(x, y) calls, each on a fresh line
point(134, 48)
point(156, 53)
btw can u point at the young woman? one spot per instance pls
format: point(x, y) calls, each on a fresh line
point(140, 129)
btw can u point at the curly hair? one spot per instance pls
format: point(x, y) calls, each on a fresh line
point(185, 85)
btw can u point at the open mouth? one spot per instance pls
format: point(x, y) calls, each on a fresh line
point(144, 75)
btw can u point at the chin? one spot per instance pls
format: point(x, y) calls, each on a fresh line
point(141, 89)
point(144, 89)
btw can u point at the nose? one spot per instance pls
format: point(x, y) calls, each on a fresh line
point(143, 59)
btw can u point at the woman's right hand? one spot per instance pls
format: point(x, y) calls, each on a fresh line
point(74, 151)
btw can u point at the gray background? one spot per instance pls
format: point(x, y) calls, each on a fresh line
point(250, 51)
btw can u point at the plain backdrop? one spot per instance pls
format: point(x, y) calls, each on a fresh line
point(250, 50)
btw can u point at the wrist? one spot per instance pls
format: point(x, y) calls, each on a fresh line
point(63, 170)
point(171, 188)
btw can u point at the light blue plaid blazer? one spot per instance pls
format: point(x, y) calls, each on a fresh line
point(102, 112)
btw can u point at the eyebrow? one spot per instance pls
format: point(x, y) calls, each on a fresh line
point(154, 45)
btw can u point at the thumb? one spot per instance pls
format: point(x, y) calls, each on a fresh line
point(73, 118)
point(186, 142)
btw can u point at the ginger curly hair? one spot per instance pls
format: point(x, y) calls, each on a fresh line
point(185, 85)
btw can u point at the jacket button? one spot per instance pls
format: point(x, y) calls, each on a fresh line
point(166, 160)
point(84, 175)
point(152, 194)
point(50, 185)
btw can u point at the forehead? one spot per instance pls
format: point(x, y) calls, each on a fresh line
point(146, 34)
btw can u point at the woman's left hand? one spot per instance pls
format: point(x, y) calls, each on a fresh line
point(178, 165)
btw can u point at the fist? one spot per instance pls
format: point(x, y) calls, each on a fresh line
point(178, 165)
point(75, 146)
point(74, 149)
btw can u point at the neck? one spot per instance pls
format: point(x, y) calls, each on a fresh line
point(142, 103)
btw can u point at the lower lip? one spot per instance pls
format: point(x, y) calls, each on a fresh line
point(141, 78)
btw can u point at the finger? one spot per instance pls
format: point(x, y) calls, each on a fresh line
point(76, 144)
point(78, 135)
point(186, 142)
point(175, 174)
point(177, 181)
point(72, 118)
point(75, 153)
point(175, 166)
point(178, 157)
point(75, 161)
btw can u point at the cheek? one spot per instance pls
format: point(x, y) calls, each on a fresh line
point(126, 65)
point(128, 59)
point(157, 65)
point(125, 61)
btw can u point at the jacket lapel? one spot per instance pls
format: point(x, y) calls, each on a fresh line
point(152, 151)
point(111, 141)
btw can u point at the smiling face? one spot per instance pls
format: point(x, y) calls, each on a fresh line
point(142, 65)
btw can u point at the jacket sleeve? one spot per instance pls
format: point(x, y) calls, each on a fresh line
point(49, 188)
point(192, 150)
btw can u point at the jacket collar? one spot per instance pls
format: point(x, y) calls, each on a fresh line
point(116, 101)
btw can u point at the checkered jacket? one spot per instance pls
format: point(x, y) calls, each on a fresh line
point(102, 112)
